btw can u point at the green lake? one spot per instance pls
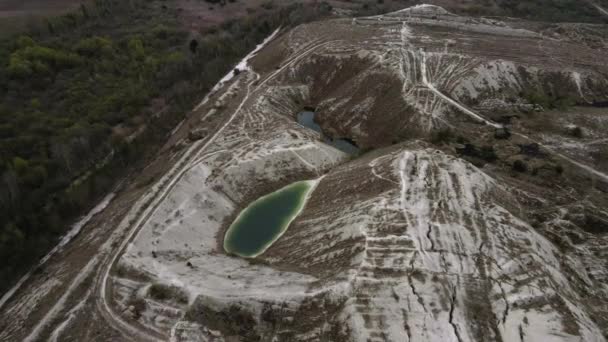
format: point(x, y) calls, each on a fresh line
point(266, 219)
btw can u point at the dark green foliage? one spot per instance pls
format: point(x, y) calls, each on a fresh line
point(193, 45)
point(549, 101)
point(532, 150)
point(234, 320)
point(485, 153)
point(73, 90)
point(538, 10)
point(551, 10)
point(442, 136)
point(62, 93)
point(520, 166)
point(164, 292)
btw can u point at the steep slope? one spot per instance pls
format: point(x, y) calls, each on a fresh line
point(472, 213)
point(404, 243)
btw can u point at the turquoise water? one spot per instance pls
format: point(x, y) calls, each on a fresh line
point(307, 119)
point(263, 221)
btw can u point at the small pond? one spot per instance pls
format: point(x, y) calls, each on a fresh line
point(307, 119)
point(260, 224)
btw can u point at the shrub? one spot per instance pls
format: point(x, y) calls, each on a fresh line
point(520, 166)
point(94, 46)
point(20, 165)
point(502, 133)
point(487, 153)
point(164, 292)
point(139, 305)
point(576, 132)
point(552, 101)
point(442, 136)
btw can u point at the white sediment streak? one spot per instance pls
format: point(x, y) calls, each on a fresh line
point(242, 65)
point(72, 314)
point(178, 170)
point(448, 99)
point(60, 304)
point(601, 9)
point(589, 169)
point(426, 82)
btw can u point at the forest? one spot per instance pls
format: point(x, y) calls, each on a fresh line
point(84, 95)
point(549, 11)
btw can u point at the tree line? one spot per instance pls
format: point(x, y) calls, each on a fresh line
point(76, 88)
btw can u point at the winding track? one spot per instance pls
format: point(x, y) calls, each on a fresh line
point(467, 111)
point(183, 164)
point(448, 99)
point(115, 320)
point(121, 323)
point(101, 264)
point(63, 242)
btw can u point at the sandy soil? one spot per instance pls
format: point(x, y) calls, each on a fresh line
point(418, 239)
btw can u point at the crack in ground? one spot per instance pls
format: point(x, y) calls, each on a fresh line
point(504, 297)
point(406, 326)
point(499, 283)
point(428, 236)
point(411, 283)
point(413, 260)
point(413, 288)
point(480, 250)
point(444, 262)
point(452, 306)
